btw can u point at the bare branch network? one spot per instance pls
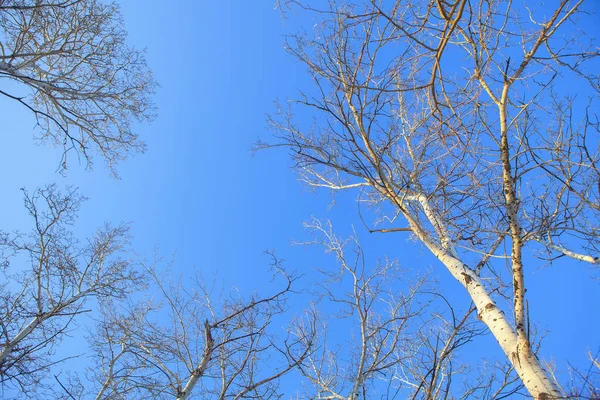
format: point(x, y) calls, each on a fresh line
point(175, 340)
point(464, 119)
point(470, 126)
point(75, 72)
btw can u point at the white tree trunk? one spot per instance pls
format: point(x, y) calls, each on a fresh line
point(189, 386)
point(527, 365)
point(198, 372)
point(525, 362)
point(23, 333)
point(35, 322)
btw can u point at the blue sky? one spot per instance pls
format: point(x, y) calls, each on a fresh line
point(200, 194)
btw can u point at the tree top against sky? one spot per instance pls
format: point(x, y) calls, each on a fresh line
point(69, 63)
point(465, 131)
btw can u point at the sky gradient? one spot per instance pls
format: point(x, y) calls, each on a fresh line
point(199, 194)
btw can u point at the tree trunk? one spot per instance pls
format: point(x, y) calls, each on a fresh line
point(527, 365)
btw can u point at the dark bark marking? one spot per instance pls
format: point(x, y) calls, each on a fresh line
point(468, 278)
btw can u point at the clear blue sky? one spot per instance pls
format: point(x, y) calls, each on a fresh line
point(198, 192)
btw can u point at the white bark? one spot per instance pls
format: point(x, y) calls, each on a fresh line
point(438, 224)
point(527, 366)
point(34, 323)
point(189, 386)
point(199, 371)
point(572, 254)
point(366, 145)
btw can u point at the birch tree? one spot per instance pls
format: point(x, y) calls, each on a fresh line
point(454, 118)
point(384, 333)
point(47, 278)
point(69, 63)
point(188, 342)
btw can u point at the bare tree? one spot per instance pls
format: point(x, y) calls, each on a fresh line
point(48, 276)
point(583, 383)
point(226, 348)
point(76, 73)
point(455, 116)
point(400, 336)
